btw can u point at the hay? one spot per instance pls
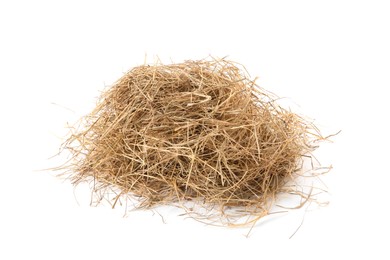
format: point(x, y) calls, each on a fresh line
point(199, 132)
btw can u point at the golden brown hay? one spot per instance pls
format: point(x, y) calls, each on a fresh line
point(198, 132)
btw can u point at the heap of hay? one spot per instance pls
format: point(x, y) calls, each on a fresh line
point(198, 131)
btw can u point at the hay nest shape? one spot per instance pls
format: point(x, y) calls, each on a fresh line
point(198, 131)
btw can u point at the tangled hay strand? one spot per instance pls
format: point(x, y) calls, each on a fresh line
point(198, 131)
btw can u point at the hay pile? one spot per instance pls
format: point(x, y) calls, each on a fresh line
point(198, 131)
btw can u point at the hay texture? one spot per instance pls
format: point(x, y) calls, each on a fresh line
point(198, 132)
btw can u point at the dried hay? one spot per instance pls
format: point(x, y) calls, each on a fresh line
point(199, 133)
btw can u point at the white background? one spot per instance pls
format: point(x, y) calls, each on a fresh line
point(332, 58)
